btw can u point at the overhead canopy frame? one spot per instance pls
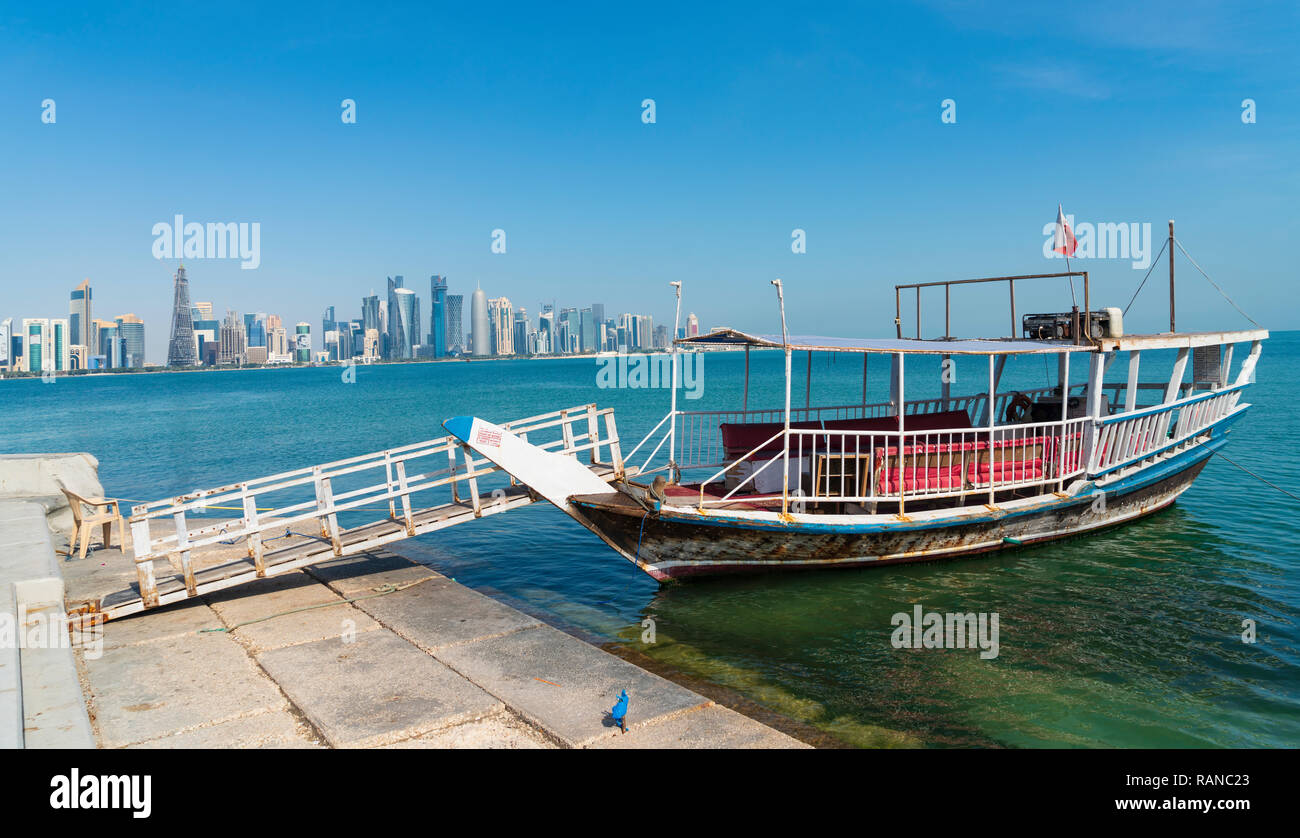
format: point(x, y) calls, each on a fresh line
point(806, 343)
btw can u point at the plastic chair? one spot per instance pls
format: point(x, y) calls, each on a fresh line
point(103, 512)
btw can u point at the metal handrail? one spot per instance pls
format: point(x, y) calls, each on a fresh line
point(1011, 284)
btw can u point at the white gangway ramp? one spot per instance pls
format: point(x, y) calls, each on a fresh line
point(386, 496)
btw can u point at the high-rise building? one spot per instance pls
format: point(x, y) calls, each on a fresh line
point(645, 332)
point(403, 319)
point(519, 336)
point(109, 347)
point(46, 346)
point(130, 329)
point(207, 333)
point(455, 340)
point(480, 331)
point(182, 351)
point(587, 332)
point(394, 326)
point(79, 315)
point(233, 340)
point(255, 328)
point(6, 339)
point(370, 351)
point(370, 313)
point(302, 343)
point(692, 325)
point(277, 344)
point(438, 315)
point(501, 322)
point(546, 331)
point(203, 311)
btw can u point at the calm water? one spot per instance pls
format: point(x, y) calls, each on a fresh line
point(1129, 638)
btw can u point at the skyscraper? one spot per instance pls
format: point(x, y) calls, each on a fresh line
point(181, 351)
point(519, 337)
point(302, 343)
point(370, 313)
point(6, 336)
point(46, 345)
point(402, 320)
point(130, 329)
point(233, 340)
point(502, 323)
point(255, 328)
point(79, 316)
point(455, 328)
point(438, 315)
point(481, 333)
point(395, 337)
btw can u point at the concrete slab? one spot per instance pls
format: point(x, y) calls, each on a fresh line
point(276, 729)
point(149, 690)
point(499, 731)
point(440, 613)
point(278, 594)
point(359, 575)
point(375, 690)
point(563, 685)
point(171, 621)
point(707, 727)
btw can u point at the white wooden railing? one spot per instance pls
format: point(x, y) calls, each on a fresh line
point(388, 480)
point(1129, 438)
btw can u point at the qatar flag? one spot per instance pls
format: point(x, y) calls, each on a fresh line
point(1064, 243)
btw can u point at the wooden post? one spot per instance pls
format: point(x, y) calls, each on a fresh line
point(254, 538)
point(1130, 394)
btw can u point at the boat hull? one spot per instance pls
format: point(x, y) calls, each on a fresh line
point(676, 545)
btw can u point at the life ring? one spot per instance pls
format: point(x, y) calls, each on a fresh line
point(1018, 409)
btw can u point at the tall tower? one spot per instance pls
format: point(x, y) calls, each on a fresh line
point(455, 329)
point(478, 318)
point(79, 314)
point(438, 316)
point(181, 352)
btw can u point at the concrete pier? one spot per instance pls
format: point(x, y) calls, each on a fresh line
point(414, 660)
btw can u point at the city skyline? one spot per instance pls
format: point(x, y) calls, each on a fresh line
point(196, 337)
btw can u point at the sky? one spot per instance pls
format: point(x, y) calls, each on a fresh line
point(768, 119)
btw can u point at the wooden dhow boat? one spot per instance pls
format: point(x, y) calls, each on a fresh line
point(908, 479)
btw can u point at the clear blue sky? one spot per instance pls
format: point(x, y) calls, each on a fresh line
point(472, 117)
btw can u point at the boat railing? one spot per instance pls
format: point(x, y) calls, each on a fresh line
point(366, 483)
point(1126, 439)
point(869, 467)
point(699, 438)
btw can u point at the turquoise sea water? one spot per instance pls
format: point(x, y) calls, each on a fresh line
point(1129, 638)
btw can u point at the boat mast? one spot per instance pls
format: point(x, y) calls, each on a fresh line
point(785, 454)
point(1171, 276)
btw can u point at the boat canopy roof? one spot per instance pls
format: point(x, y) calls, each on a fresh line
point(801, 343)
